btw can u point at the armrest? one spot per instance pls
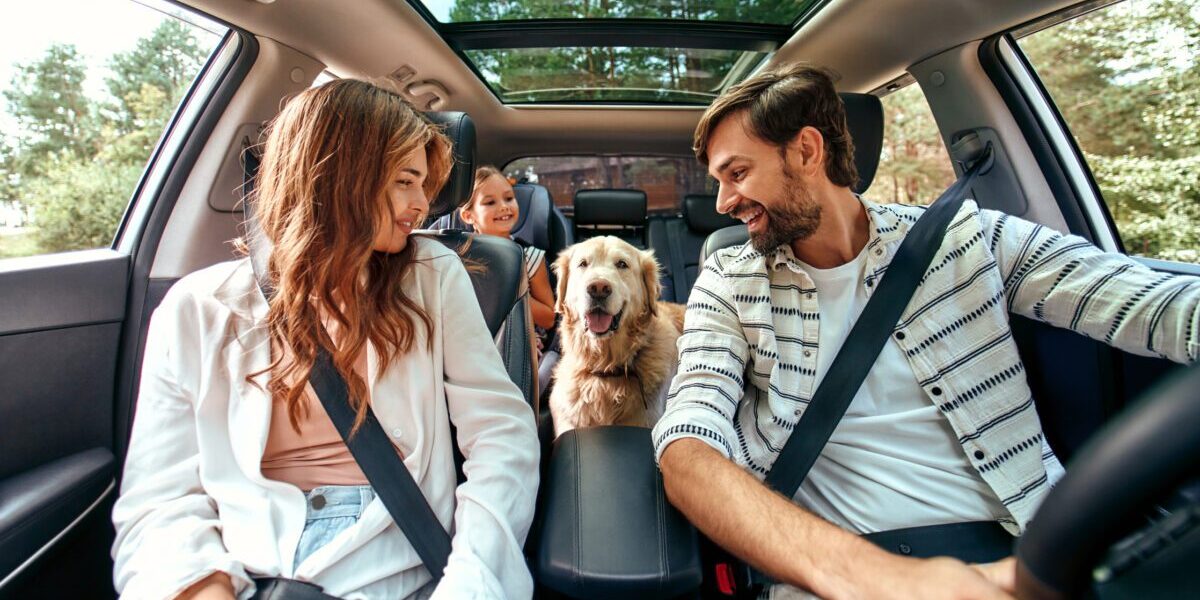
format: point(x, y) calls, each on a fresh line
point(608, 529)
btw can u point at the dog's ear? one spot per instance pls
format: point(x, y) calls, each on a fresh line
point(562, 270)
point(651, 285)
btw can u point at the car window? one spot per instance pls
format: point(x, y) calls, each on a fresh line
point(665, 179)
point(914, 167)
point(1126, 79)
point(81, 109)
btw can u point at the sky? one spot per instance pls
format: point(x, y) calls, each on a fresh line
point(98, 28)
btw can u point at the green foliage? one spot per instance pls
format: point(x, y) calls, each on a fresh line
point(914, 167)
point(47, 101)
point(1127, 81)
point(80, 158)
point(166, 60)
point(79, 202)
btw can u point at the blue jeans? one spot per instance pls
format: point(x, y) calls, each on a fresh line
point(331, 509)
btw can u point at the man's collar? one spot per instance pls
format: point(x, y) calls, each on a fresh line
point(885, 227)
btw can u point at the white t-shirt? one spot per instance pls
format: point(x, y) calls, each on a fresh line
point(893, 461)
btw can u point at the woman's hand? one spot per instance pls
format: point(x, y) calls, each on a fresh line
point(214, 587)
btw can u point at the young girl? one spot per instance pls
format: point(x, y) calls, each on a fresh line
point(492, 209)
point(234, 469)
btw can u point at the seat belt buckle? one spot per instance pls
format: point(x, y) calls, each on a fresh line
point(725, 579)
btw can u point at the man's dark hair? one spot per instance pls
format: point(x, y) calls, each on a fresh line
point(779, 103)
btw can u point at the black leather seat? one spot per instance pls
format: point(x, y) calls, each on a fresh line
point(541, 224)
point(676, 242)
point(621, 213)
point(499, 284)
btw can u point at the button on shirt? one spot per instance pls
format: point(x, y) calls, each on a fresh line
point(748, 359)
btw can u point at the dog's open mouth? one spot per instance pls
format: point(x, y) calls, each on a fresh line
point(601, 323)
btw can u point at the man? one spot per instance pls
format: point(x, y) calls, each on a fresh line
point(943, 430)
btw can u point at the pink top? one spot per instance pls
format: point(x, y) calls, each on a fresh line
point(314, 456)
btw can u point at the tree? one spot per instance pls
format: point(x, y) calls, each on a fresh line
point(80, 158)
point(167, 59)
point(1127, 81)
point(914, 167)
point(48, 102)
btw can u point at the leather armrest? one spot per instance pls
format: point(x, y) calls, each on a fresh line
point(608, 530)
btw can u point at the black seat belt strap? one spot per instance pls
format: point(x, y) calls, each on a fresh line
point(678, 269)
point(866, 339)
point(377, 458)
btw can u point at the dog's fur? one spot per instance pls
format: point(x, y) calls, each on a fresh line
point(620, 376)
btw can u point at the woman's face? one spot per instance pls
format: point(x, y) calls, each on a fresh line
point(406, 195)
point(494, 209)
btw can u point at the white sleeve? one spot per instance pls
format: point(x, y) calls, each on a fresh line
point(498, 438)
point(167, 530)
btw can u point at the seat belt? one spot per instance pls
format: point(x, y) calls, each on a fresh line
point(678, 269)
point(377, 458)
point(852, 363)
point(370, 446)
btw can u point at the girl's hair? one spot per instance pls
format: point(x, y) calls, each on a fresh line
point(321, 193)
point(481, 175)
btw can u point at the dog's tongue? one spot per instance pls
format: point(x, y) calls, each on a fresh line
point(599, 322)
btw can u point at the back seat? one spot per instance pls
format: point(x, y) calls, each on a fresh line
point(611, 212)
point(677, 240)
point(541, 224)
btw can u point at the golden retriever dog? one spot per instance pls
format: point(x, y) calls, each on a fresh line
point(618, 340)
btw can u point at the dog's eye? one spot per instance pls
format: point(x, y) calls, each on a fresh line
point(583, 263)
point(622, 264)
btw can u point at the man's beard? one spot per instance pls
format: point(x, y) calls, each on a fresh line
point(795, 217)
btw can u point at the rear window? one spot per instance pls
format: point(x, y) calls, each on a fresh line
point(665, 179)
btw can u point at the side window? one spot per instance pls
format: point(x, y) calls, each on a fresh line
point(1126, 79)
point(86, 90)
point(914, 167)
point(665, 179)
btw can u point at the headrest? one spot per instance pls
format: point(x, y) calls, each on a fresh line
point(864, 116)
point(461, 131)
point(533, 224)
point(610, 207)
point(724, 238)
point(700, 214)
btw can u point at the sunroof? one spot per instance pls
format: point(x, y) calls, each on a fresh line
point(776, 12)
point(614, 51)
point(612, 74)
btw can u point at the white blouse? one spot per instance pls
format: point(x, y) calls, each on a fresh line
point(193, 498)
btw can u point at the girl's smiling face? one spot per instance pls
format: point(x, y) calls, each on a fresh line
point(493, 208)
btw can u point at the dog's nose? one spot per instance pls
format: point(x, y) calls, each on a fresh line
point(599, 290)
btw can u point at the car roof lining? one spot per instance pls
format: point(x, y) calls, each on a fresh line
point(380, 36)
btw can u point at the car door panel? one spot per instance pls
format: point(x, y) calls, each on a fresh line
point(60, 332)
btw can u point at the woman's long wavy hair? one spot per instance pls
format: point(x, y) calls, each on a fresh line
point(320, 196)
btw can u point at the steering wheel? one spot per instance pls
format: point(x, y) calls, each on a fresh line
point(1138, 458)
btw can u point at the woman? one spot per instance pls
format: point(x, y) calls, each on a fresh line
point(492, 209)
point(235, 471)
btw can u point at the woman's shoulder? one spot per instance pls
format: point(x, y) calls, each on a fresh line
point(427, 249)
point(223, 282)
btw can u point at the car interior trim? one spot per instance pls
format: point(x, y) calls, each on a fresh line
point(33, 558)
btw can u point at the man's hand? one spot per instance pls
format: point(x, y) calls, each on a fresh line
point(934, 578)
point(1002, 574)
point(217, 586)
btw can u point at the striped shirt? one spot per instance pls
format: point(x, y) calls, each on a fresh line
point(747, 355)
